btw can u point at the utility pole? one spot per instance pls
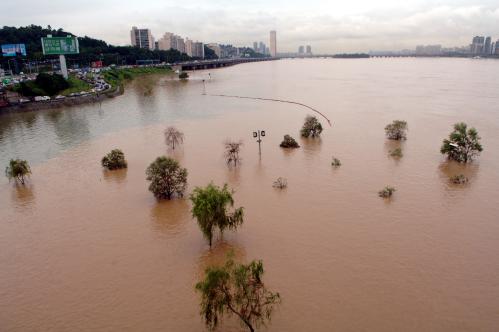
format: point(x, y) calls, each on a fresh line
point(259, 134)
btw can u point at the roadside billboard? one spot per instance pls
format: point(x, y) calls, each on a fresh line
point(13, 49)
point(60, 45)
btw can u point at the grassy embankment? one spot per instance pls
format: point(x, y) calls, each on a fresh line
point(117, 77)
point(75, 85)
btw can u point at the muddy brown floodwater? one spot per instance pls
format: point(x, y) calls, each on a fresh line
point(82, 249)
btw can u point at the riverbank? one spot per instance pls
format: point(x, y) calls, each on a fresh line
point(115, 77)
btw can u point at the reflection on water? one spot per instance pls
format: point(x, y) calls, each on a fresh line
point(450, 168)
point(118, 175)
point(170, 217)
point(218, 254)
point(23, 195)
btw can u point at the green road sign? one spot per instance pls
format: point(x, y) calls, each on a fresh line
point(60, 45)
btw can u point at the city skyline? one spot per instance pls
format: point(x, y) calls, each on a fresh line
point(358, 26)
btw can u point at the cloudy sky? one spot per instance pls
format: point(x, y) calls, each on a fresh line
point(330, 26)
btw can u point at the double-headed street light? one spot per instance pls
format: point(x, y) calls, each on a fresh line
point(259, 134)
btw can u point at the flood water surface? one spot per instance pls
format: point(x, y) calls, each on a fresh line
point(85, 249)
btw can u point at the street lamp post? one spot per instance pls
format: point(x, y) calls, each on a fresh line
point(259, 134)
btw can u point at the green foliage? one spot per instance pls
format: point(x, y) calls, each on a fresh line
point(18, 169)
point(459, 179)
point(173, 137)
point(397, 153)
point(386, 192)
point(75, 85)
point(116, 77)
point(90, 49)
point(236, 289)
point(210, 209)
point(289, 142)
point(209, 54)
point(44, 85)
point(167, 178)
point(463, 144)
point(396, 130)
point(336, 162)
point(311, 128)
point(114, 160)
point(183, 75)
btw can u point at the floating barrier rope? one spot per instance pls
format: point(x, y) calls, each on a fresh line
point(277, 100)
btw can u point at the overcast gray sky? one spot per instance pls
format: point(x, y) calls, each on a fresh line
point(329, 26)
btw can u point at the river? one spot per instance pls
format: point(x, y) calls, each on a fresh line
point(82, 249)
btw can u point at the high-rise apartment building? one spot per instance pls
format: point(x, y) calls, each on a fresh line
point(301, 50)
point(216, 48)
point(198, 50)
point(166, 42)
point(261, 48)
point(477, 45)
point(496, 52)
point(142, 38)
point(273, 43)
point(255, 46)
point(180, 44)
point(188, 46)
point(488, 46)
point(309, 49)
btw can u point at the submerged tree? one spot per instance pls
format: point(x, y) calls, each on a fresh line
point(210, 209)
point(232, 149)
point(183, 75)
point(311, 128)
point(280, 183)
point(396, 130)
point(173, 137)
point(463, 144)
point(459, 179)
point(289, 142)
point(167, 178)
point(18, 169)
point(386, 192)
point(336, 162)
point(236, 289)
point(114, 160)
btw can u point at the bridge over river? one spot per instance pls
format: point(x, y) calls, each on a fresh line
point(216, 63)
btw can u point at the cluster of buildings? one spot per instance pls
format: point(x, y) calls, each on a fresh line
point(481, 45)
point(305, 50)
point(144, 39)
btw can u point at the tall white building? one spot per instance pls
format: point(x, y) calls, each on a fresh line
point(188, 46)
point(273, 43)
point(198, 50)
point(166, 42)
point(142, 38)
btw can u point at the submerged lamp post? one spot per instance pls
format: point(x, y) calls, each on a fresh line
point(259, 134)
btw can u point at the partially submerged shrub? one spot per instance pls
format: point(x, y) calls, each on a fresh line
point(311, 128)
point(18, 169)
point(167, 178)
point(114, 160)
point(232, 149)
point(289, 142)
point(459, 179)
point(336, 162)
point(396, 130)
point(397, 153)
point(463, 144)
point(386, 192)
point(183, 75)
point(280, 183)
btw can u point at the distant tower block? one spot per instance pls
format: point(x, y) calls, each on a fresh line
point(273, 43)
